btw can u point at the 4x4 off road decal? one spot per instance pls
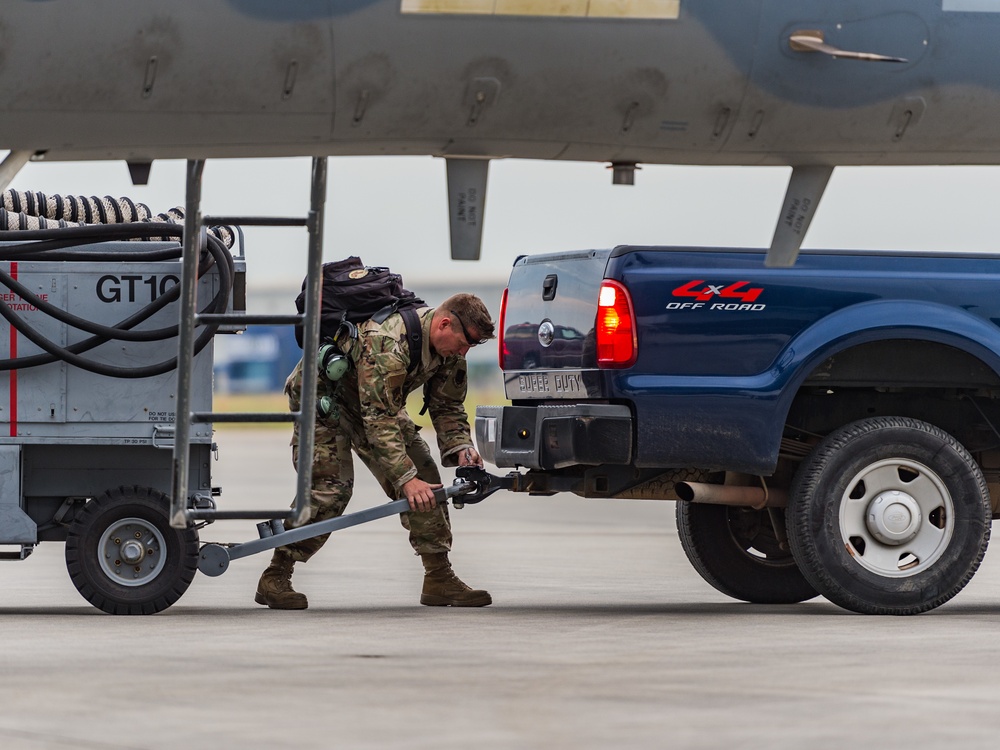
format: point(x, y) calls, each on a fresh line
point(738, 296)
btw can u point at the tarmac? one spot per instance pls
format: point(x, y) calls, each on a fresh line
point(601, 635)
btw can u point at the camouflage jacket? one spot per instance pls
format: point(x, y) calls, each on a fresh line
point(373, 393)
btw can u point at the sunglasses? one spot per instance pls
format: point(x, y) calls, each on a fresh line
point(465, 334)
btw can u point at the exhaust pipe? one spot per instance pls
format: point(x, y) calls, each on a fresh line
point(731, 494)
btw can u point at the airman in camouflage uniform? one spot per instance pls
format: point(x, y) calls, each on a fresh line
point(368, 415)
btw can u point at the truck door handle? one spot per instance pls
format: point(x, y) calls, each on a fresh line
point(549, 287)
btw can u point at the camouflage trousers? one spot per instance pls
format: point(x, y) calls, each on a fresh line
point(333, 483)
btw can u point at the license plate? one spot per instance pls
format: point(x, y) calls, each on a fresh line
point(545, 384)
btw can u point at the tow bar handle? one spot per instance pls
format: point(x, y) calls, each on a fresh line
point(471, 487)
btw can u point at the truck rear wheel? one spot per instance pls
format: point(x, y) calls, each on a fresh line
point(889, 515)
point(123, 556)
point(737, 551)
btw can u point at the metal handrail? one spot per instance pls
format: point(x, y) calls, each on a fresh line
point(305, 418)
point(185, 343)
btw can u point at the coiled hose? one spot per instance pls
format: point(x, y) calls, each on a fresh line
point(47, 234)
point(28, 211)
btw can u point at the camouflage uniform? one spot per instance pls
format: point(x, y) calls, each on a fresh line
point(369, 415)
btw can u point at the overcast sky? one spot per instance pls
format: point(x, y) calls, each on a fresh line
point(392, 210)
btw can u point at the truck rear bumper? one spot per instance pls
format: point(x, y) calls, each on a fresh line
point(554, 436)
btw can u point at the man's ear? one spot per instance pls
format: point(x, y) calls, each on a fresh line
point(440, 323)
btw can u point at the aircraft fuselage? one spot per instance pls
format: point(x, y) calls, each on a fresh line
point(688, 82)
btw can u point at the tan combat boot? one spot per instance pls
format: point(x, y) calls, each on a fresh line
point(442, 588)
point(275, 586)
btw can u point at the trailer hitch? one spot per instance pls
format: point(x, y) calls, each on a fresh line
point(471, 485)
point(480, 484)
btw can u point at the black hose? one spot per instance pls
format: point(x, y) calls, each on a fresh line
point(44, 244)
point(93, 342)
point(87, 344)
point(42, 221)
point(109, 333)
point(219, 256)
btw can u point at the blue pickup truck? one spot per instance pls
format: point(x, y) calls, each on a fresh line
point(831, 428)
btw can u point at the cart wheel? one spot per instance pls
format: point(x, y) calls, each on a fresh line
point(737, 551)
point(123, 556)
point(889, 515)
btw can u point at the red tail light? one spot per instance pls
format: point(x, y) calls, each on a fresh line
point(501, 345)
point(616, 337)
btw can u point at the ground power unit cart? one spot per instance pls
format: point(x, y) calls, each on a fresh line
point(88, 403)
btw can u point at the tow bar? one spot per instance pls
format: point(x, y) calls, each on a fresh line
point(472, 485)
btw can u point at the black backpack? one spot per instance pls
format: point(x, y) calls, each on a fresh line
point(353, 293)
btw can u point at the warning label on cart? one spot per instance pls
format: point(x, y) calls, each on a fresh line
point(17, 303)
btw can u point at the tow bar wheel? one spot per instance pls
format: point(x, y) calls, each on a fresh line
point(123, 556)
point(889, 515)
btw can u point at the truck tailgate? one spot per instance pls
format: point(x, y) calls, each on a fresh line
point(548, 337)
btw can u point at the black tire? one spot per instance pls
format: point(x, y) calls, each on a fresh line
point(123, 556)
point(737, 551)
point(889, 515)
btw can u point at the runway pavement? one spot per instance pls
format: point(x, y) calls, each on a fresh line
point(601, 635)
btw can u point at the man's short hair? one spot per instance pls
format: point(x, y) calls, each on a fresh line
point(472, 313)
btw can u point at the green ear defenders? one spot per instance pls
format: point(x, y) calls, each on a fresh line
point(332, 363)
